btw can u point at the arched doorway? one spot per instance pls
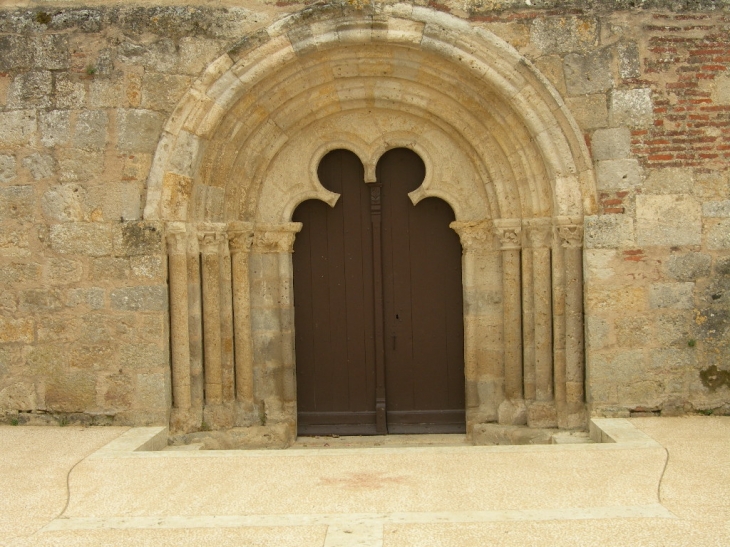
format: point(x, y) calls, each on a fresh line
point(241, 153)
point(378, 304)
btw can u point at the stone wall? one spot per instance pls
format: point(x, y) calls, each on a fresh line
point(84, 94)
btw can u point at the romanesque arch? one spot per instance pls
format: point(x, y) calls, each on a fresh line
point(240, 153)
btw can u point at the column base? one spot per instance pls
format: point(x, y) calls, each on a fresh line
point(572, 416)
point(542, 414)
point(185, 420)
point(219, 416)
point(512, 412)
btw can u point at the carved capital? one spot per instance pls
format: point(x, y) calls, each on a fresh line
point(275, 238)
point(509, 232)
point(539, 232)
point(474, 235)
point(571, 235)
point(211, 235)
point(240, 237)
point(176, 236)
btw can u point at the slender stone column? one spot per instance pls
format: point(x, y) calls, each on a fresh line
point(240, 238)
point(211, 236)
point(528, 316)
point(228, 376)
point(512, 410)
point(540, 239)
point(195, 327)
point(272, 312)
point(483, 368)
point(179, 338)
point(571, 238)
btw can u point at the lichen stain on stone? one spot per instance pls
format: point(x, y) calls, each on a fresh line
point(140, 235)
point(713, 378)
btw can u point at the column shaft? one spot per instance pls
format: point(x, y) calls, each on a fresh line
point(512, 323)
point(528, 324)
point(195, 325)
point(210, 242)
point(543, 325)
point(179, 336)
point(240, 237)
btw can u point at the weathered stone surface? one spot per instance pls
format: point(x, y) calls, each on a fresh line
point(669, 181)
point(57, 328)
point(17, 127)
point(55, 126)
point(7, 168)
point(149, 267)
point(83, 238)
point(629, 62)
point(716, 209)
point(587, 74)
point(492, 434)
point(106, 92)
point(688, 266)
point(668, 220)
point(611, 144)
point(152, 298)
point(591, 111)
point(70, 91)
point(632, 108)
point(90, 130)
point(619, 300)
point(51, 52)
point(74, 391)
point(617, 174)
point(142, 356)
point(138, 238)
point(20, 396)
point(597, 332)
point(62, 271)
point(163, 91)
point(139, 130)
point(564, 34)
point(19, 273)
point(717, 234)
point(79, 165)
point(152, 390)
point(109, 269)
point(16, 203)
point(16, 330)
point(16, 55)
point(65, 203)
point(14, 242)
point(671, 295)
point(609, 232)
point(632, 331)
point(31, 89)
point(40, 300)
point(91, 297)
point(41, 166)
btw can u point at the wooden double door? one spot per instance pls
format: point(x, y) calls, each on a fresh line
point(378, 304)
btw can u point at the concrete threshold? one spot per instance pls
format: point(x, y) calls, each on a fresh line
point(352, 492)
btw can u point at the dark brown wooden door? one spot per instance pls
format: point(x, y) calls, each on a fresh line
point(333, 304)
point(423, 310)
point(378, 304)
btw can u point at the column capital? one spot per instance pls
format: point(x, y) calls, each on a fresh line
point(275, 238)
point(538, 232)
point(211, 235)
point(473, 234)
point(176, 236)
point(571, 235)
point(240, 236)
point(509, 232)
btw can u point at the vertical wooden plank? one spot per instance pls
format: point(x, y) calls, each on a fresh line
point(333, 304)
point(423, 303)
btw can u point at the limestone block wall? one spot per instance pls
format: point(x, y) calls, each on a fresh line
point(85, 304)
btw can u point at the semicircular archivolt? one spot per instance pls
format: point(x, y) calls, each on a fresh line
point(515, 129)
